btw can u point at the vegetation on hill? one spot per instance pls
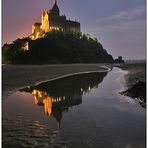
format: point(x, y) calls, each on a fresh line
point(56, 47)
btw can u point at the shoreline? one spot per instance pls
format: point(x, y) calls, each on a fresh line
point(67, 75)
point(15, 77)
point(135, 82)
point(136, 72)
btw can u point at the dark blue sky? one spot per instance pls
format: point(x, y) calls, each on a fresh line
point(118, 24)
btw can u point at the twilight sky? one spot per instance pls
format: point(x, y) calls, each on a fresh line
point(119, 25)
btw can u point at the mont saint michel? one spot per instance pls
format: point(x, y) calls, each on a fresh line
point(56, 40)
point(68, 83)
point(52, 21)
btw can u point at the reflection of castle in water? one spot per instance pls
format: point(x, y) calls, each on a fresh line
point(58, 95)
point(42, 98)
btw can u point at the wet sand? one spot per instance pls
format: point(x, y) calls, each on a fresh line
point(17, 76)
point(135, 81)
point(136, 72)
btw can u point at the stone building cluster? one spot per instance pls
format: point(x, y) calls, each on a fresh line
point(52, 21)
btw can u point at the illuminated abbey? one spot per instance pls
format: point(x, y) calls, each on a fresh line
point(52, 21)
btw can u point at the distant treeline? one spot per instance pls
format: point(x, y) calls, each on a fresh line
point(56, 47)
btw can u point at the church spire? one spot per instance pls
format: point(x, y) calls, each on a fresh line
point(55, 10)
point(55, 1)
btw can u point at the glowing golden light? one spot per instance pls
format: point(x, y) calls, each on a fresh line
point(49, 24)
point(25, 46)
point(48, 105)
point(42, 98)
point(35, 100)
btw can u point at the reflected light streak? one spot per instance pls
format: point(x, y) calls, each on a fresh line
point(42, 98)
point(48, 105)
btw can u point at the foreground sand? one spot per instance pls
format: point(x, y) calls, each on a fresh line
point(16, 76)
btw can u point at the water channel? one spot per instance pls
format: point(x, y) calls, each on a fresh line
point(78, 111)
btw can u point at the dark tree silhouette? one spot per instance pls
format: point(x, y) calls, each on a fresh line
point(57, 47)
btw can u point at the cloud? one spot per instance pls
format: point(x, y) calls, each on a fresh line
point(123, 18)
point(127, 14)
point(123, 33)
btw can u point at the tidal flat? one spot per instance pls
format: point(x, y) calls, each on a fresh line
point(135, 81)
point(136, 72)
point(80, 110)
point(17, 76)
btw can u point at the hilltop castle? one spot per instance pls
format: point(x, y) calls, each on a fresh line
point(52, 21)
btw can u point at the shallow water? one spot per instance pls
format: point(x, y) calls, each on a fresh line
point(79, 111)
